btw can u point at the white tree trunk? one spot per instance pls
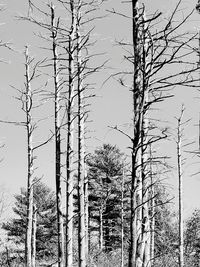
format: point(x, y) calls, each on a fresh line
point(70, 137)
point(81, 144)
point(34, 229)
point(29, 129)
point(180, 174)
point(87, 238)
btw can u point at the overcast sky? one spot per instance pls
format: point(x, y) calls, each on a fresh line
point(111, 107)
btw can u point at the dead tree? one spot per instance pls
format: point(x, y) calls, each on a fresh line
point(27, 98)
point(73, 42)
point(27, 107)
point(153, 53)
point(57, 110)
point(70, 137)
point(53, 28)
point(144, 69)
point(79, 69)
point(140, 94)
point(180, 183)
point(81, 146)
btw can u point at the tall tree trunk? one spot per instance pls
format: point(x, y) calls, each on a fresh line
point(70, 135)
point(139, 211)
point(57, 141)
point(34, 229)
point(144, 207)
point(132, 246)
point(139, 252)
point(122, 220)
point(180, 174)
point(81, 144)
point(29, 129)
point(144, 247)
point(87, 238)
point(135, 222)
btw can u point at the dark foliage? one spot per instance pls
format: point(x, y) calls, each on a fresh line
point(105, 177)
point(44, 199)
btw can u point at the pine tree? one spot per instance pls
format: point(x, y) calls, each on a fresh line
point(104, 176)
point(46, 233)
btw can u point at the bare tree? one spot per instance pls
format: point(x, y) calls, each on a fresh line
point(29, 129)
point(27, 99)
point(79, 69)
point(57, 110)
point(81, 147)
point(180, 182)
point(70, 136)
point(153, 53)
point(53, 28)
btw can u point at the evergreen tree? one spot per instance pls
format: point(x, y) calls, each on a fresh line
point(192, 238)
point(104, 176)
point(44, 201)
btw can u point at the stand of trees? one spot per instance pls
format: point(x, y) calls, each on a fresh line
point(113, 209)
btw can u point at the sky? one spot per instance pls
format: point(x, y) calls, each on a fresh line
point(111, 107)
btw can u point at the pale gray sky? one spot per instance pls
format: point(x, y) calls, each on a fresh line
point(112, 107)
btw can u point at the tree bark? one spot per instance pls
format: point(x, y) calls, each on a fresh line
point(135, 221)
point(34, 229)
point(81, 144)
point(180, 178)
point(132, 246)
point(29, 130)
point(70, 137)
point(139, 252)
point(57, 140)
point(122, 220)
point(87, 238)
point(144, 246)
